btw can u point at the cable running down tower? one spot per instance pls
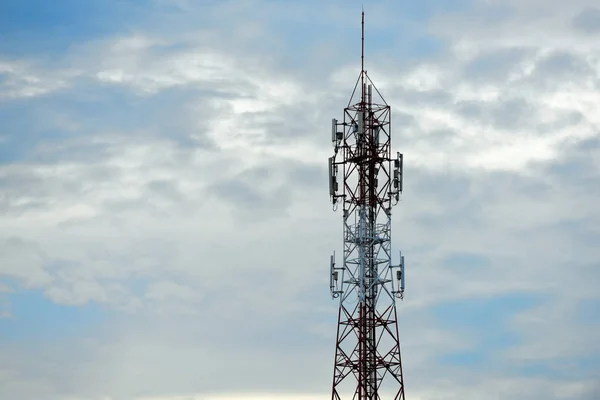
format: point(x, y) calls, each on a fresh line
point(367, 182)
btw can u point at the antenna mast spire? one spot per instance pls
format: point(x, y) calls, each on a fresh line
point(367, 356)
point(362, 51)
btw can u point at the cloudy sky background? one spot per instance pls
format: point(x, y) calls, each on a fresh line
point(165, 224)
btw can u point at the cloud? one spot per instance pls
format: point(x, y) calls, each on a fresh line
point(207, 223)
point(20, 81)
point(4, 303)
point(23, 260)
point(588, 20)
point(265, 396)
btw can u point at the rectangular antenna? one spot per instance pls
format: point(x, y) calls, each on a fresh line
point(361, 121)
point(402, 272)
point(332, 177)
point(331, 270)
point(401, 172)
point(333, 130)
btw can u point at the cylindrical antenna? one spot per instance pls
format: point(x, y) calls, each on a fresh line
point(362, 58)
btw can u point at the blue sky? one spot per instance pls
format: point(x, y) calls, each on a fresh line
point(164, 221)
point(36, 318)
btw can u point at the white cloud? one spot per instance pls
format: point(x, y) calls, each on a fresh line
point(21, 81)
point(23, 260)
point(220, 248)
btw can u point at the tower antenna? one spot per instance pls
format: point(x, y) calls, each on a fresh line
point(367, 362)
point(362, 50)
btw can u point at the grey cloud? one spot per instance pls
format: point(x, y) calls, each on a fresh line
point(499, 213)
point(577, 166)
point(562, 65)
point(435, 98)
point(179, 117)
point(77, 150)
point(257, 292)
point(402, 120)
point(25, 188)
point(165, 188)
point(497, 65)
point(255, 194)
point(587, 146)
point(282, 128)
point(587, 21)
point(17, 183)
point(452, 203)
point(466, 260)
point(25, 261)
point(511, 113)
point(563, 120)
point(506, 114)
point(267, 277)
point(594, 393)
point(305, 175)
point(552, 205)
point(123, 206)
point(240, 193)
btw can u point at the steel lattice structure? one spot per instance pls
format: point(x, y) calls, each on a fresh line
point(367, 356)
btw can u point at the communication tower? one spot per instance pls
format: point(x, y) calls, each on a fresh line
point(366, 181)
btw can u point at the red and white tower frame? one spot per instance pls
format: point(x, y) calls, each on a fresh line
point(366, 181)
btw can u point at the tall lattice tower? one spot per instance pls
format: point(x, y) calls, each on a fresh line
point(367, 355)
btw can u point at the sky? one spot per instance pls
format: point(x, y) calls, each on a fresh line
point(165, 225)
